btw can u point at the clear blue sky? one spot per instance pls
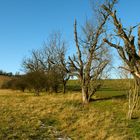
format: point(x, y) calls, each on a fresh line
point(25, 24)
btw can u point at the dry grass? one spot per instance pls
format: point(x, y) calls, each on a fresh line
point(26, 117)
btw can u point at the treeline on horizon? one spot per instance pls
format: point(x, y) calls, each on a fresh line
point(4, 73)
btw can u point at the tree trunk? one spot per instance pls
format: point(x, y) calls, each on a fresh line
point(85, 95)
point(64, 87)
point(37, 92)
point(23, 89)
point(133, 98)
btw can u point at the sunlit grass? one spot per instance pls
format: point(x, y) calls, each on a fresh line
point(24, 116)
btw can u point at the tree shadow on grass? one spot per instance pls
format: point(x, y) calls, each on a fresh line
point(110, 98)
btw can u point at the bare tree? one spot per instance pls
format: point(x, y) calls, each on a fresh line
point(51, 58)
point(129, 53)
point(91, 58)
point(32, 63)
point(55, 57)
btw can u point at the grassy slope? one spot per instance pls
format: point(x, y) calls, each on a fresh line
point(24, 116)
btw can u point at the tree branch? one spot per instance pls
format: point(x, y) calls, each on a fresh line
point(77, 44)
point(72, 64)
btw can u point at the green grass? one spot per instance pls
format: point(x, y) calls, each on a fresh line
point(49, 117)
point(135, 126)
point(107, 85)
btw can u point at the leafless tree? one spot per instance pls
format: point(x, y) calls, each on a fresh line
point(129, 53)
point(54, 57)
point(32, 63)
point(91, 58)
point(51, 58)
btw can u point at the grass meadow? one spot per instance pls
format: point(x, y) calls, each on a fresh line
point(24, 116)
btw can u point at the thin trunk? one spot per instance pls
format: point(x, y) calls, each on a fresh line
point(91, 94)
point(64, 87)
point(23, 89)
point(56, 89)
point(37, 92)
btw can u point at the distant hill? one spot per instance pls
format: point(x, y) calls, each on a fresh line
point(4, 79)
